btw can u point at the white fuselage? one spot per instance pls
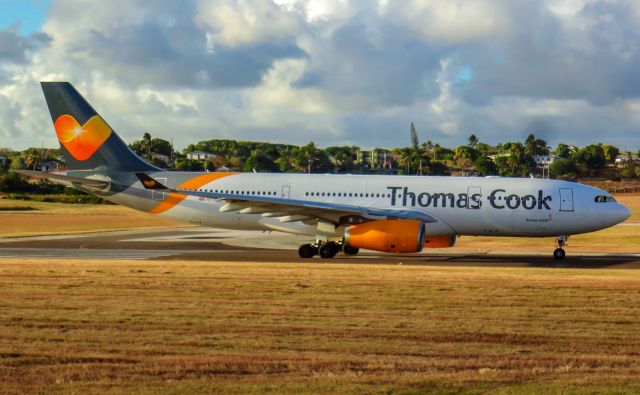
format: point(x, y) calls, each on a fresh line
point(490, 206)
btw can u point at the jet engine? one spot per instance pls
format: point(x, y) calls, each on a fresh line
point(440, 241)
point(399, 236)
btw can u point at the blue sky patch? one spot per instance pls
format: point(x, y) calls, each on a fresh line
point(27, 15)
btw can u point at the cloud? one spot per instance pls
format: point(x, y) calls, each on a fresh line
point(14, 48)
point(163, 45)
point(591, 55)
point(8, 113)
point(232, 23)
point(356, 72)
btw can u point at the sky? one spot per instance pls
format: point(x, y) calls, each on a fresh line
point(335, 72)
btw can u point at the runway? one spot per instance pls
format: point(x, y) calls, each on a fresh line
point(207, 244)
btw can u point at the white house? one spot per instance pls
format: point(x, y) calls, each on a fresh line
point(201, 155)
point(623, 158)
point(162, 158)
point(545, 160)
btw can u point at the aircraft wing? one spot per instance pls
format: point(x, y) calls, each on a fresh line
point(290, 210)
point(64, 178)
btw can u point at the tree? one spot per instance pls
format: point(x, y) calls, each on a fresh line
point(472, 141)
point(414, 138)
point(485, 166)
point(259, 161)
point(342, 158)
point(146, 145)
point(443, 153)
point(405, 159)
point(309, 157)
point(563, 168)
point(591, 156)
point(149, 146)
point(427, 147)
point(610, 153)
point(14, 182)
point(465, 152)
point(533, 146)
point(189, 165)
point(563, 151)
point(629, 167)
point(484, 149)
point(516, 159)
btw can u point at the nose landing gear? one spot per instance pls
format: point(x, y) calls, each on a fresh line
point(561, 241)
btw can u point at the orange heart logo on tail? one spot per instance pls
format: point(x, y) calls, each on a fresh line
point(81, 141)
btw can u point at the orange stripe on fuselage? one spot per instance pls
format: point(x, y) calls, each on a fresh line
point(175, 198)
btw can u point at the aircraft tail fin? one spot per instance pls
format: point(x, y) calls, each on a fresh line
point(87, 142)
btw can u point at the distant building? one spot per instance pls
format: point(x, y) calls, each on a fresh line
point(201, 155)
point(376, 158)
point(501, 155)
point(162, 158)
point(49, 165)
point(622, 159)
point(545, 160)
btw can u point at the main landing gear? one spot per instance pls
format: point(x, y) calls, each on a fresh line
point(326, 250)
point(561, 241)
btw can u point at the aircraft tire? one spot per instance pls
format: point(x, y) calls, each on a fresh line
point(307, 251)
point(328, 250)
point(559, 253)
point(348, 250)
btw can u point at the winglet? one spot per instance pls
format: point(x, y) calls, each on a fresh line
point(150, 183)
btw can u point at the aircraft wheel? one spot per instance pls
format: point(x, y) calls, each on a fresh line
point(348, 250)
point(328, 250)
point(307, 251)
point(559, 253)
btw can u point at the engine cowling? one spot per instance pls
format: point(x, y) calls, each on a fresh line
point(400, 236)
point(440, 241)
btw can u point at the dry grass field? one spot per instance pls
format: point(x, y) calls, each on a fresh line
point(193, 327)
point(58, 218)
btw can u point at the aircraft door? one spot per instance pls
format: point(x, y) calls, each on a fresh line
point(474, 198)
point(286, 191)
point(566, 199)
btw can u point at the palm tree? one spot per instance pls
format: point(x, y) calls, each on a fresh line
point(472, 141)
point(405, 158)
point(516, 157)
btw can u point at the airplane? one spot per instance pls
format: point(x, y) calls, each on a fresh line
point(339, 213)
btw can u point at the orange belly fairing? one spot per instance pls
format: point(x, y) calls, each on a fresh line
point(399, 236)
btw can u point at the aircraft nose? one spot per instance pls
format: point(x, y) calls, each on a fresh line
point(622, 212)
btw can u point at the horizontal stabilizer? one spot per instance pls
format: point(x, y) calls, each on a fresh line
point(62, 177)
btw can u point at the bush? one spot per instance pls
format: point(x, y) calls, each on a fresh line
point(14, 182)
point(563, 168)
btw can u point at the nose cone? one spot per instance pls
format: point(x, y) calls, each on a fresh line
point(622, 213)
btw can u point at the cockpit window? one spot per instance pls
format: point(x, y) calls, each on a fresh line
point(604, 199)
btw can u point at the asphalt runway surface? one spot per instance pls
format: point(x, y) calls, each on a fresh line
point(207, 244)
